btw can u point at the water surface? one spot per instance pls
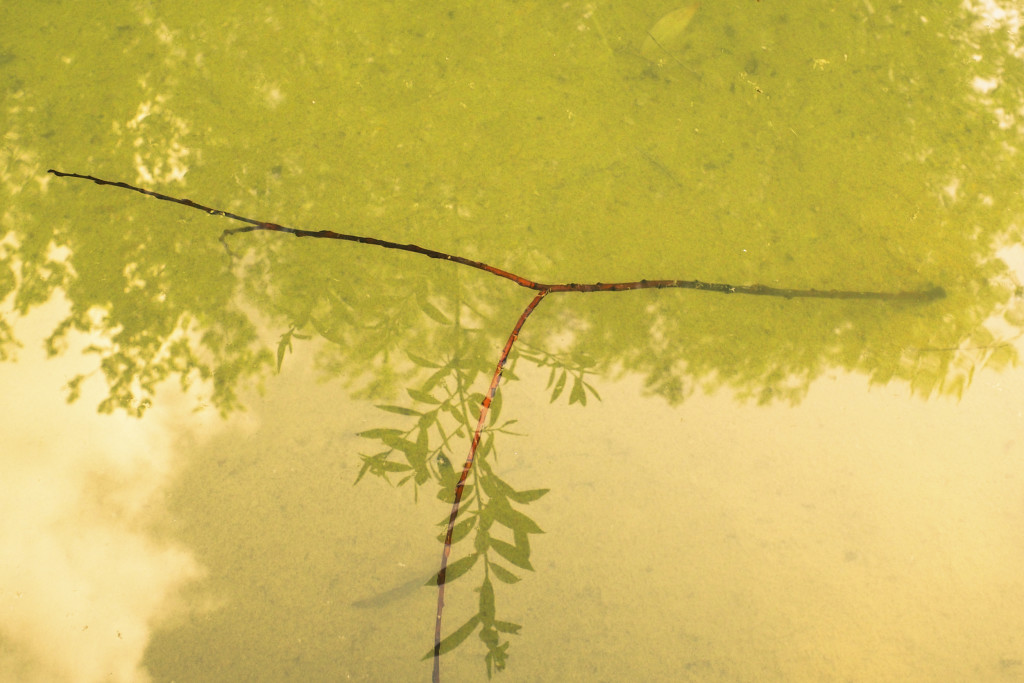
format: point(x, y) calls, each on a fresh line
point(675, 485)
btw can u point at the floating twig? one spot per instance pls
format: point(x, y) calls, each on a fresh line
point(721, 288)
point(542, 289)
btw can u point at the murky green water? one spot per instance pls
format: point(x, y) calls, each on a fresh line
point(673, 485)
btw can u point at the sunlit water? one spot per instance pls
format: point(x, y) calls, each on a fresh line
point(766, 489)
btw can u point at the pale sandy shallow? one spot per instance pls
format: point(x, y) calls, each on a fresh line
point(862, 535)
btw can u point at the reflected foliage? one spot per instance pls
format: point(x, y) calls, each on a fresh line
point(492, 534)
point(744, 194)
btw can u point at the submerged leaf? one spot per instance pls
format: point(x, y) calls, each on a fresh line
point(434, 312)
point(285, 344)
point(518, 556)
point(514, 520)
point(495, 408)
point(559, 386)
point(447, 494)
point(422, 396)
point(390, 466)
point(578, 394)
point(487, 610)
point(665, 37)
point(399, 410)
point(527, 496)
point(460, 567)
point(502, 574)
point(455, 638)
point(460, 531)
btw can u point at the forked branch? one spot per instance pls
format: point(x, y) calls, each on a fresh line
point(542, 290)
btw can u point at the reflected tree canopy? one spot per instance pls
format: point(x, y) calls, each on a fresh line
point(862, 148)
point(880, 156)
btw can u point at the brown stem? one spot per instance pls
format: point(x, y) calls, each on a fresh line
point(484, 409)
point(722, 288)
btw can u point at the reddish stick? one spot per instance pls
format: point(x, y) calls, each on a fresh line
point(484, 409)
point(541, 288)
